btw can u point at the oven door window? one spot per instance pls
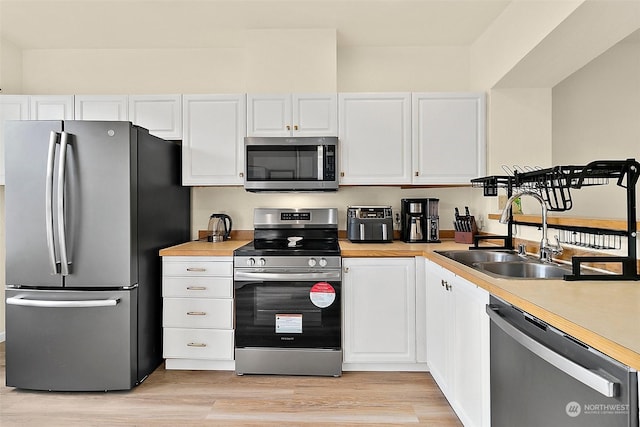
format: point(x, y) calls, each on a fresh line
point(282, 163)
point(287, 314)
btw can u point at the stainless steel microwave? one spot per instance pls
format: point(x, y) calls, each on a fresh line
point(291, 164)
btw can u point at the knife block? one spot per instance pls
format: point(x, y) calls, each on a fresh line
point(466, 236)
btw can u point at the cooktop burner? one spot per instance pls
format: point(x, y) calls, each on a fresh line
point(293, 232)
point(281, 248)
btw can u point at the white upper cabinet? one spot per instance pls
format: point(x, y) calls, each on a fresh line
point(101, 107)
point(12, 107)
point(292, 115)
point(375, 138)
point(51, 107)
point(161, 114)
point(213, 144)
point(448, 137)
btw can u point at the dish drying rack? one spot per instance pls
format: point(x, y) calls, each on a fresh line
point(554, 185)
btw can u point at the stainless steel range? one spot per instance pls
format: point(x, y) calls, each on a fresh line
point(288, 294)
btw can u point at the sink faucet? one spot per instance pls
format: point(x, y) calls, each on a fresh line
point(547, 250)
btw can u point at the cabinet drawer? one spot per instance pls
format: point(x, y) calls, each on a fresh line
point(198, 268)
point(213, 344)
point(197, 313)
point(197, 287)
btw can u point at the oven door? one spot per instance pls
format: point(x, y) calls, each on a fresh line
point(288, 313)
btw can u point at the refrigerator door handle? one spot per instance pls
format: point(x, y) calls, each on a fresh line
point(62, 163)
point(54, 138)
point(62, 304)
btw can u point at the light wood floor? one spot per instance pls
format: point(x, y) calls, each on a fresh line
point(214, 398)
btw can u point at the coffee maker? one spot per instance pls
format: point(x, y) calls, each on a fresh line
point(419, 220)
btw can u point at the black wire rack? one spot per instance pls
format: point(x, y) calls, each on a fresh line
point(554, 185)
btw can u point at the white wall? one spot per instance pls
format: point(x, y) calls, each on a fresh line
point(239, 204)
point(10, 67)
point(596, 115)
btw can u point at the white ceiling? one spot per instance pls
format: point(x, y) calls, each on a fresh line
point(94, 24)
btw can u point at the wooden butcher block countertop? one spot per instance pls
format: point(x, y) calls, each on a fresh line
point(603, 314)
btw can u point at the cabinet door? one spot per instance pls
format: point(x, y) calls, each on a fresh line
point(161, 114)
point(315, 114)
point(379, 310)
point(213, 145)
point(375, 138)
point(439, 324)
point(448, 137)
point(101, 107)
point(12, 107)
point(471, 354)
point(269, 115)
point(51, 107)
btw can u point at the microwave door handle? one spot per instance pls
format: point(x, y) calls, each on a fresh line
point(62, 163)
point(54, 139)
point(384, 231)
point(361, 231)
point(320, 162)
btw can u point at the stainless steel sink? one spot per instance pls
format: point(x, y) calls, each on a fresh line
point(470, 257)
point(524, 270)
point(507, 264)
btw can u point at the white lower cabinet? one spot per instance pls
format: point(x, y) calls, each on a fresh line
point(379, 315)
point(458, 343)
point(197, 314)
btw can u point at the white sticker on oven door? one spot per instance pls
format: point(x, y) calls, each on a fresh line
point(322, 294)
point(288, 323)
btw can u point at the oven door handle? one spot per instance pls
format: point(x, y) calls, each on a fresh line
point(586, 376)
point(286, 276)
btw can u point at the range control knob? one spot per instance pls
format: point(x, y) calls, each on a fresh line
point(323, 262)
point(262, 262)
point(312, 262)
point(251, 262)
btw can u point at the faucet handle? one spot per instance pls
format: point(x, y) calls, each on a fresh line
point(557, 248)
point(522, 249)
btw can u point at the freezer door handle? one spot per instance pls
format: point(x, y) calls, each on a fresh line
point(54, 138)
point(62, 303)
point(586, 376)
point(62, 163)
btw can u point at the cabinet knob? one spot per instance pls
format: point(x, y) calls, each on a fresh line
point(288, 127)
point(346, 269)
point(295, 127)
point(416, 173)
point(241, 174)
point(342, 174)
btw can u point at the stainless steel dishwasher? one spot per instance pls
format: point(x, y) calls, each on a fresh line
point(540, 376)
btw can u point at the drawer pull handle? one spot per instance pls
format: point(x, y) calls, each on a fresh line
point(196, 313)
point(196, 344)
point(196, 288)
point(196, 269)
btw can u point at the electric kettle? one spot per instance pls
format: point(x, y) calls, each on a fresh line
point(219, 227)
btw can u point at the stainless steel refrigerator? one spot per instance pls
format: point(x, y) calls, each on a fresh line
point(88, 206)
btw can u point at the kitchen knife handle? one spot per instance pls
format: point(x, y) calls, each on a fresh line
point(54, 138)
point(62, 166)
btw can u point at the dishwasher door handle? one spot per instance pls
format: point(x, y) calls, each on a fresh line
point(586, 376)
